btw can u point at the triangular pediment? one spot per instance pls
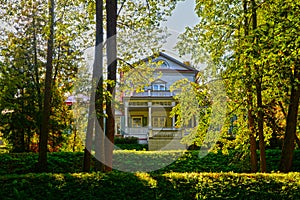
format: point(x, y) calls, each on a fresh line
point(159, 81)
point(168, 63)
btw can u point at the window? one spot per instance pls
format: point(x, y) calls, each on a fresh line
point(137, 121)
point(159, 122)
point(164, 63)
point(159, 86)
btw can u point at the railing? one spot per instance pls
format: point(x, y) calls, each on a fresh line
point(167, 133)
point(158, 132)
point(137, 131)
point(150, 93)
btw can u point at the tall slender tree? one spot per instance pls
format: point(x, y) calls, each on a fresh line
point(249, 92)
point(42, 160)
point(111, 51)
point(99, 99)
point(258, 87)
point(95, 120)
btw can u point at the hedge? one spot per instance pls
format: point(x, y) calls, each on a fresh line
point(137, 147)
point(162, 161)
point(126, 140)
point(121, 185)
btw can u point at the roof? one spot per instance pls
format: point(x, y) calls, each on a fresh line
point(167, 57)
point(176, 61)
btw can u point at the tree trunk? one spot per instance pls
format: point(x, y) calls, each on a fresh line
point(260, 114)
point(98, 64)
point(37, 78)
point(74, 139)
point(263, 164)
point(111, 12)
point(89, 136)
point(42, 160)
point(251, 122)
point(95, 121)
point(286, 159)
point(251, 125)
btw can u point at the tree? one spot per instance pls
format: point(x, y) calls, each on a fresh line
point(254, 44)
point(222, 37)
point(111, 51)
point(22, 97)
point(258, 87)
point(99, 98)
point(42, 160)
point(26, 46)
point(249, 92)
point(96, 99)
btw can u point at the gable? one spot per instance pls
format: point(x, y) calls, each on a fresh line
point(159, 81)
point(170, 63)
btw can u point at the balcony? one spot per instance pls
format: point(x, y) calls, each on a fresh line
point(151, 93)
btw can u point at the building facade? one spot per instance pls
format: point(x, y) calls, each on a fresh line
point(146, 114)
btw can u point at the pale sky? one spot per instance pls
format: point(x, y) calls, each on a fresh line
point(183, 16)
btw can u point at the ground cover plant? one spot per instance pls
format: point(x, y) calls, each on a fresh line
point(188, 161)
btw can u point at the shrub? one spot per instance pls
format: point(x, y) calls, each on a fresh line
point(177, 186)
point(126, 140)
point(138, 147)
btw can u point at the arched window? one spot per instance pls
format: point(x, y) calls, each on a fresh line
point(164, 65)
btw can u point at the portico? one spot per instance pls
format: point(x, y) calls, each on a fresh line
point(147, 118)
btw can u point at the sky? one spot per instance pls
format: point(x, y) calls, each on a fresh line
point(183, 16)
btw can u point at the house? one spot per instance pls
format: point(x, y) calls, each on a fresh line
point(146, 114)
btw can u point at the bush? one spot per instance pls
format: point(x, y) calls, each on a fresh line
point(177, 186)
point(126, 140)
point(138, 147)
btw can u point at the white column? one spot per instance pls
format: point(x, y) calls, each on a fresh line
point(149, 115)
point(150, 119)
point(173, 122)
point(126, 116)
point(173, 118)
point(193, 121)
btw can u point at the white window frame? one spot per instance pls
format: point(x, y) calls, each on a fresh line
point(159, 86)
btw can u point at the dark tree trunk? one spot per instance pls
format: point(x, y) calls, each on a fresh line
point(99, 127)
point(263, 164)
point(260, 114)
point(89, 136)
point(253, 154)
point(251, 122)
point(37, 79)
point(286, 159)
point(42, 160)
point(111, 12)
point(95, 121)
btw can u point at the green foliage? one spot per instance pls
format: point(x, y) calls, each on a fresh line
point(137, 147)
point(189, 161)
point(245, 55)
point(21, 163)
point(126, 140)
point(22, 70)
point(129, 143)
point(120, 185)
